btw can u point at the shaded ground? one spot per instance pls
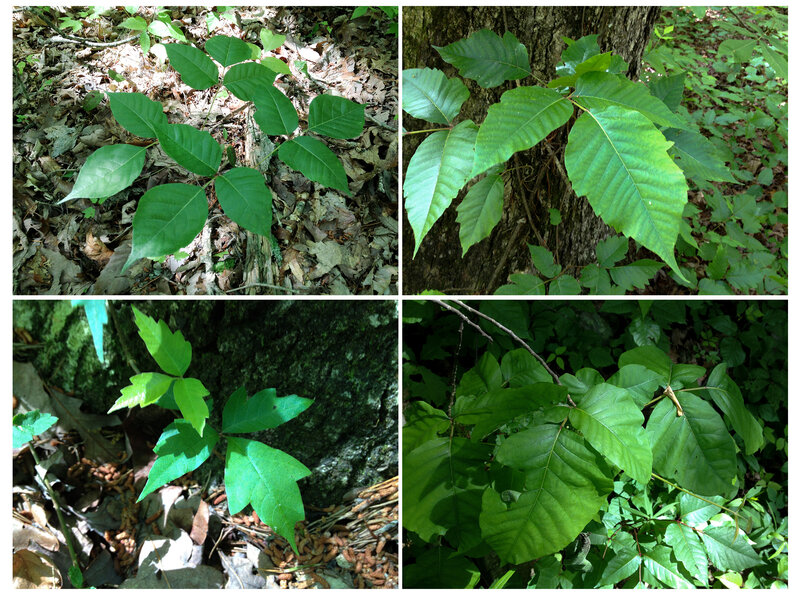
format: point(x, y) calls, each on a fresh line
point(325, 243)
point(341, 354)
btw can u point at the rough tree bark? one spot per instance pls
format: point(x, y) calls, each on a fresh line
point(536, 183)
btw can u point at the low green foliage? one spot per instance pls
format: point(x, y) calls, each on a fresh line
point(643, 464)
point(255, 473)
point(169, 216)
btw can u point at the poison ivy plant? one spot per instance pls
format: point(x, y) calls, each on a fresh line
point(636, 473)
point(629, 151)
point(255, 474)
point(170, 215)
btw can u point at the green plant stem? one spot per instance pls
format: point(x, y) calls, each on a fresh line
point(427, 130)
point(685, 491)
point(208, 112)
point(57, 504)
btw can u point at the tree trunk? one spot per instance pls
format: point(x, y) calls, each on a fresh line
point(536, 182)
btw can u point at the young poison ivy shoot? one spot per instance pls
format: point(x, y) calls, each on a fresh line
point(170, 215)
point(255, 473)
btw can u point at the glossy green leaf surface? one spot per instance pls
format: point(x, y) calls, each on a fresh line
point(227, 50)
point(439, 168)
point(276, 64)
point(623, 564)
point(695, 450)
point(27, 425)
point(170, 350)
point(137, 113)
point(640, 382)
point(197, 70)
point(618, 160)
point(479, 211)
point(248, 80)
point(191, 148)
point(523, 118)
point(520, 368)
point(422, 423)
point(145, 388)
point(443, 483)
point(336, 117)
point(565, 485)
point(487, 58)
point(180, 450)
point(108, 170)
point(597, 90)
point(728, 397)
point(270, 40)
point(96, 315)
point(189, 394)
point(264, 410)
point(168, 218)
point(316, 161)
point(611, 422)
point(668, 89)
point(245, 198)
point(659, 362)
point(658, 561)
point(275, 113)
point(265, 478)
point(728, 551)
point(689, 550)
point(430, 95)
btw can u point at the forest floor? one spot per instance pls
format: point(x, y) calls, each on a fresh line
point(323, 243)
point(181, 535)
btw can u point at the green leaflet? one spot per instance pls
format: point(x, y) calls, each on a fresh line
point(27, 425)
point(484, 377)
point(264, 410)
point(778, 63)
point(612, 423)
point(145, 388)
point(269, 40)
point(658, 561)
point(497, 407)
point(728, 551)
point(429, 95)
point(247, 80)
point(640, 382)
point(444, 493)
point(439, 168)
point(441, 568)
point(180, 450)
point(523, 118)
point(698, 157)
point(275, 113)
point(657, 361)
point(624, 564)
point(276, 64)
point(479, 211)
point(189, 395)
point(695, 449)
point(422, 423)
point(137, 113)
point(108, 170)
point(168, 218)
point(520, 368)
point(635, 275)
point(336, 117)
point(596, 90)
point(668, 89)
point(246, 199)
point(689, 550)
point(227, 50)
point(598, 62)
point(565, 485)
point(696, 511)
point(728, 398)
point(618, 160)
point(97, 316)
point(487, 58)
point(522, 284)
point(197, 70)
point(170, 350)
point(191, 148)
point(316, 161)
point(265, 478)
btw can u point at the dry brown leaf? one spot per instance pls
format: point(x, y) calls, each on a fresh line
point(33, 571)
point(95, 249)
